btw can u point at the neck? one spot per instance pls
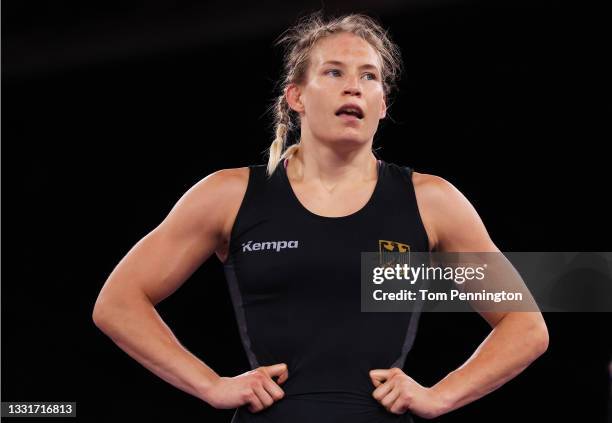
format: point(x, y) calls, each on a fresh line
point(331, 165)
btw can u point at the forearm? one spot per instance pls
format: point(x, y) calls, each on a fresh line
point(138, 329)
point(511, 346)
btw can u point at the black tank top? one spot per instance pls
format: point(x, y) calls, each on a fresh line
point(294, 279)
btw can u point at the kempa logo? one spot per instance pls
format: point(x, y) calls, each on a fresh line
point(268, 245)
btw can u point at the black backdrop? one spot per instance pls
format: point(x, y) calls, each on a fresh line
point(111, 112)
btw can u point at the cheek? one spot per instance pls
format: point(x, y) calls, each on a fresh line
point(319, 105)
point(376, 106)
point(316, 99)
point(325, 88)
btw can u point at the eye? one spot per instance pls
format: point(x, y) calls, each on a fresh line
point(372, 75)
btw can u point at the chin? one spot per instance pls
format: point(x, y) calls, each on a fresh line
point(353, 140)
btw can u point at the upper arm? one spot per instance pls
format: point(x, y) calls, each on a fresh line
point(195, 227)
point(449, 217)
point(452, 222)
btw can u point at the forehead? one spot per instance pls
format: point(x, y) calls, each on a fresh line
point(346, 48)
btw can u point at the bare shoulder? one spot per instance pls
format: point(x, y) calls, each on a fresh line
point(221, 185)
point(234, 183)
point(452, 222)
point(218, 188)
point(225, 188)
point(226, 182)
point(206, 205)
point(223, 191)
point(429, 192)
point(436, 191)
point(430, 186)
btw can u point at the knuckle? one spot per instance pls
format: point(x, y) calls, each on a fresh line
point(259, 374)
point(396, 408)
point(257, 380)
point(248, 396)
point(244, 397)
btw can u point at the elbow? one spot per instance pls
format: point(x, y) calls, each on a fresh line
point(99, 314)
point(105, 309)
point(112, 307)
point(544, 341)
point(541, 339)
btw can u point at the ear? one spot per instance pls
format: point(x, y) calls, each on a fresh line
point(293, 94)
point(383, 109)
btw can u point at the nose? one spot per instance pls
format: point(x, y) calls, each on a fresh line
point(352, 86)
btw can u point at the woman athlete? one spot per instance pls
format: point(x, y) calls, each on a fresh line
point(290, 234)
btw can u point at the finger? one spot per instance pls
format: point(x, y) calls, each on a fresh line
point(376, 382)
point(278, 372)
point(275, 369)
point(379, 375)
point(273, 389)
point(391, 399)
point(264, 396)
point(399, 406)
point(382, 390)
point(254, 402)
point(283, 377)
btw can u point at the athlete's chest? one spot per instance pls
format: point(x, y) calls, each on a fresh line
point(309, 257)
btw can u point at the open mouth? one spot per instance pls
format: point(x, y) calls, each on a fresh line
point(351, 112)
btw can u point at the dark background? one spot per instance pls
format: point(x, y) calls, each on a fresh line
point(112, 111)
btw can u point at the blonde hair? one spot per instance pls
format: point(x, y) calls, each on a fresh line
point(299, 41)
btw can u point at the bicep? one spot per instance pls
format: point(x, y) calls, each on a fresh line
point(160, 262)
point(458, 227)
point(457, 224)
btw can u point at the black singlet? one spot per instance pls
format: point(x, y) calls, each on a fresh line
point(294, 279)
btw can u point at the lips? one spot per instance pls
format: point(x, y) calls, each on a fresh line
point(350, 109)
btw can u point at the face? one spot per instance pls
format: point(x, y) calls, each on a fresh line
point(344, 68)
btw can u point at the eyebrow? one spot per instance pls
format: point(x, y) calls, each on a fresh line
point(336, 62)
